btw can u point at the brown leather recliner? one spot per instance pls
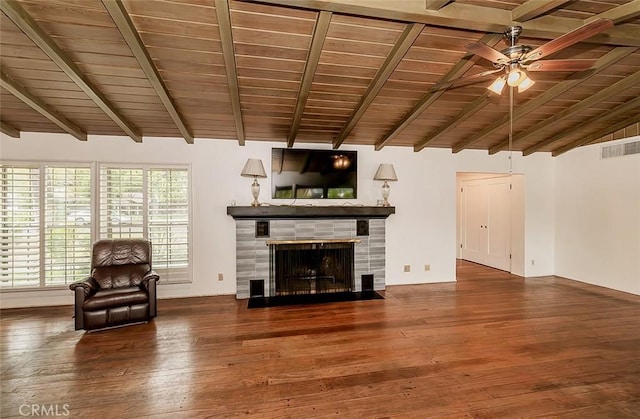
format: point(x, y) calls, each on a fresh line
point(121, 288)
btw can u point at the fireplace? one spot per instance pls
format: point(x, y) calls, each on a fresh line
point(327, 235)
point(311, 266)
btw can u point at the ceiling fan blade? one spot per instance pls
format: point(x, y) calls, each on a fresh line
point(485, 51)
point(580, 34)
point(464, 80)
point(561, 65)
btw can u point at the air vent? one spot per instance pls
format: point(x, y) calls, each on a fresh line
point(619, 150)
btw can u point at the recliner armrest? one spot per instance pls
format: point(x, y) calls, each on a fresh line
point(149, 284)
point(149, 277)
point(83, 290)
point(88, 285)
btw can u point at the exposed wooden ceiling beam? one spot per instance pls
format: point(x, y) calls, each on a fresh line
point(28, 25)
point(436, 4)
point(226, 39)
point(571, 111)
point(9, 130)
point(604, 62)
point(619, 14)
point(534, 8)
point(319, 34)
point(39, 106)
point(462, 16)
point(466, 113)
point(579, 129)
point(594, 136)
point(126, 27)
point(402, 45)
point(430, 97)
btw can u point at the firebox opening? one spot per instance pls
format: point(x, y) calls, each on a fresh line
point(311, 268)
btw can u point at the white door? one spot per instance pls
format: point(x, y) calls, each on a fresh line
point(474, 240)
point(486, 222)
point(498, 225)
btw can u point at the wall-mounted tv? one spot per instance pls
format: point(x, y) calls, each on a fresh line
point(313, 174)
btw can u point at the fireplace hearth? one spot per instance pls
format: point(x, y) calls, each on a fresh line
point(311, 267)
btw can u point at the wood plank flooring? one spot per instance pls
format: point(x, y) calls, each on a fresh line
point(491, 345)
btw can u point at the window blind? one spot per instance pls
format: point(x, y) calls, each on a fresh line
point(67, 229)
point(151, 202)
point(49, 219)
point(169, 222)
point(121, 202)
point(19, 226)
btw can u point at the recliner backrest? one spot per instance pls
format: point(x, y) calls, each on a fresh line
point(120, 262)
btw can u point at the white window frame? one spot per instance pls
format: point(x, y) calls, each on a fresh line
point(40, 176)
point(145, 167)
point(95, 169)
point(42, 166)
point(43, 216)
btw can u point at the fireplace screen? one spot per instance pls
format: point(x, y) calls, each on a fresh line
point(311, 268)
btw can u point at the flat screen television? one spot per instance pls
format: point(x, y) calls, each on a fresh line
point(313, 174)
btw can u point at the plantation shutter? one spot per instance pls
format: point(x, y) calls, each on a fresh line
point(150, 202)
point(48, 218)
point(121, 203)
point(19, 226)
point(67, 227)
point(169, 222)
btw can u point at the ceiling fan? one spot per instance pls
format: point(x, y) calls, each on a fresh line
point(516, 58)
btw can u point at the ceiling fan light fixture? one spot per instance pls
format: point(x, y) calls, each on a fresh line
point(515, 77)
point(497, 86)
point(525, 84)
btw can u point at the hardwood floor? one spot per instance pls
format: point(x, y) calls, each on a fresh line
point(491, 345)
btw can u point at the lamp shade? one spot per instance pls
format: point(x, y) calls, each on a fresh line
point(385, 172)
point(497, 86)
point(253, 168)
point(526, 83)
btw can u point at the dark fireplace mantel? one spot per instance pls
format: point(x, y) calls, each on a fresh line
point(299, 211)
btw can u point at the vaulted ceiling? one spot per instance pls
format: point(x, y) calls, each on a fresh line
point(338, 72)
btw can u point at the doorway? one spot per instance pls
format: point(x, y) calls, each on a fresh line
point(491, 220)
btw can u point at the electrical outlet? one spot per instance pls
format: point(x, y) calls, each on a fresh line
point(533, 262)
point(427, 268)
point(407, 268)
point(220, 277)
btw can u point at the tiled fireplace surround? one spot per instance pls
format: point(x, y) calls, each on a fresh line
point(308, 223)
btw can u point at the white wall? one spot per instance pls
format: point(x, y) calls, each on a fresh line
point(598, 218)
point(423, 230)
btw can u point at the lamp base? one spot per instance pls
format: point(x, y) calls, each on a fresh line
point(255, 191)
point(386, 189)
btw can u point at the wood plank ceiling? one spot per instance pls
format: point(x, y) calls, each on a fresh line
point(338, 72)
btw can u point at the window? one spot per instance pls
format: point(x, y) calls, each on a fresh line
point(169, 222)
point(19, 226)
point(150, 202)
point(45, 230)
point(49, 219)
point(121, 203)
point(67, 224)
